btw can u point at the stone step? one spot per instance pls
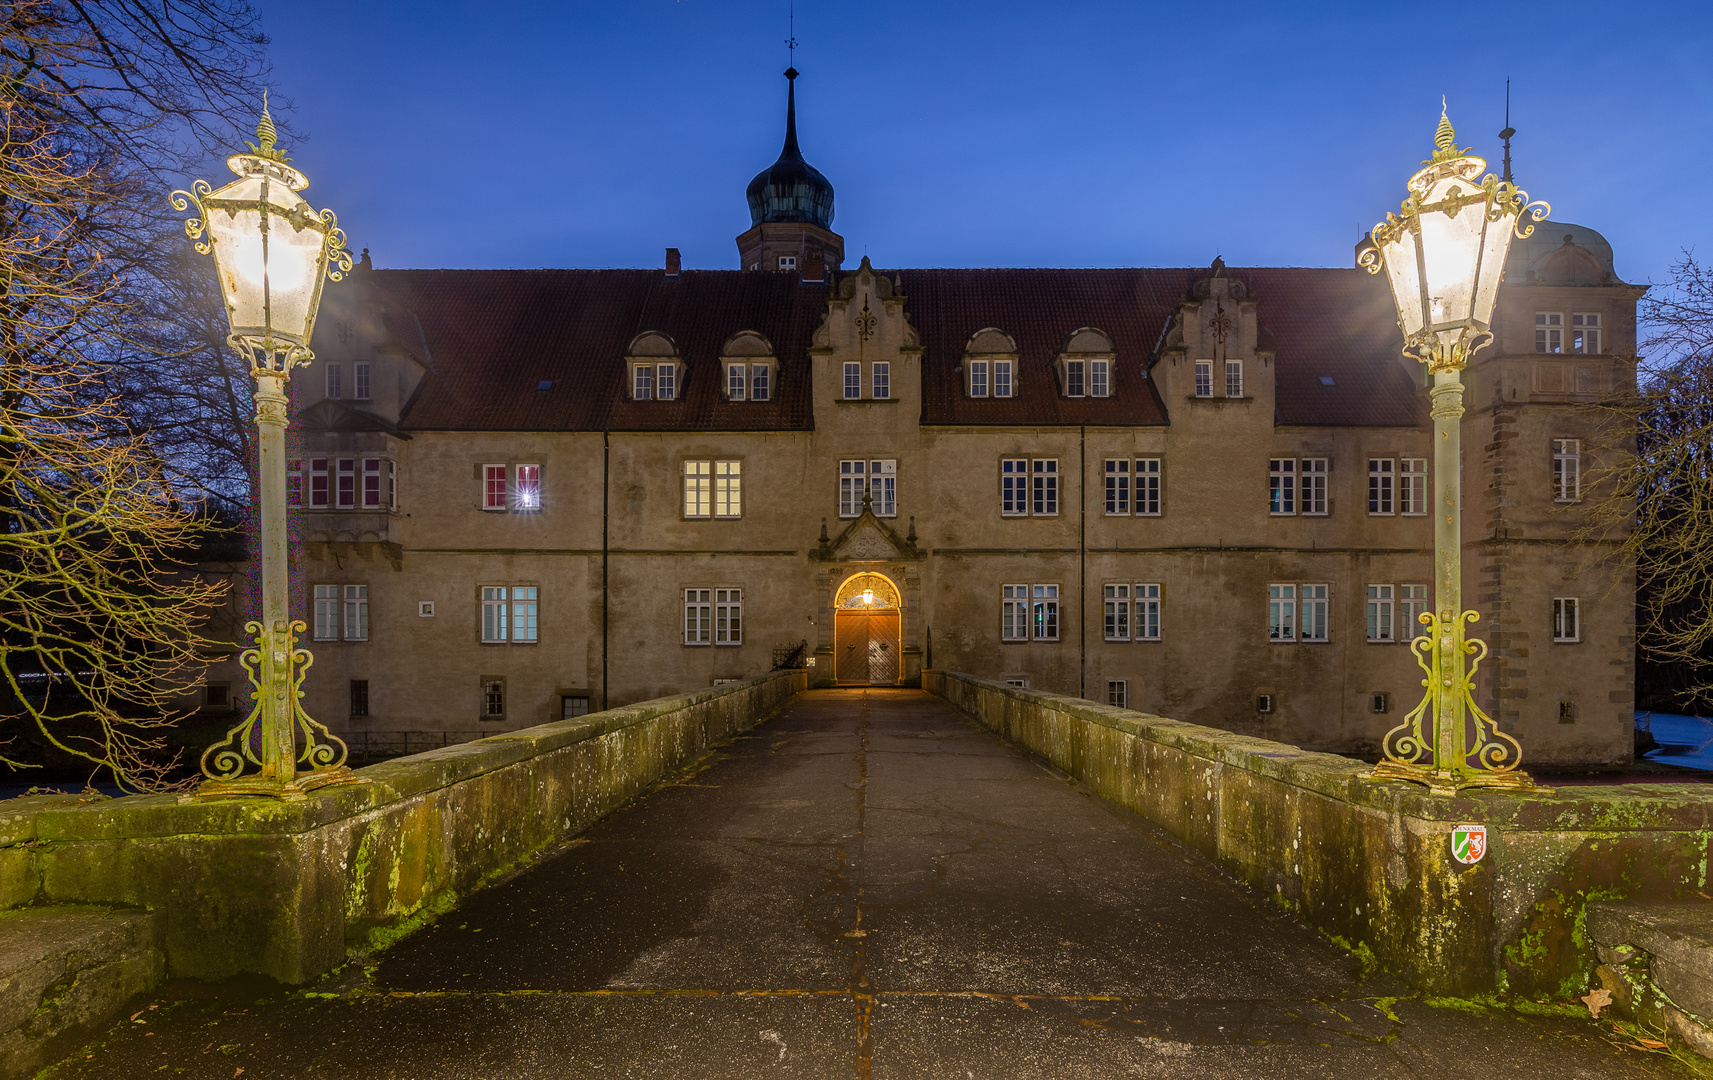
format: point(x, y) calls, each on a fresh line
point(65, 974)
point(1657, 961)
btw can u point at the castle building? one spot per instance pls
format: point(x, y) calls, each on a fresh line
point(1202, 493)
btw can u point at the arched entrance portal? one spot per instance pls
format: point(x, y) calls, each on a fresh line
point(866, 623)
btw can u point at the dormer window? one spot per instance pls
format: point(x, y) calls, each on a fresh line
point(760, 382)
point(990, 360)
point(978, 378)
point(654, 367)
point(750, 367)
point(642, 385)
point(788, 262)
point(1002, 378)
point(1074, 378)
point(737, 381)
point(1099, 378)
point(1085, 367)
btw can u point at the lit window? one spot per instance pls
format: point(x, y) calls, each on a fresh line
point(318, 481)
point(881, 381)
point(1074, 378)
point(526, 621)
point(1312, 487)
point(529, 487)
point(1044, 487)
point(1412, 486)
point(1117, 613)
point(697, 488)
point(347, 483)
point(1566, 619)
point(327, 613)
point(359, 698)
point(853, 484)
point(736, 375)
point(1281, 613)
point(1585, 333)
point(1118, 693)
point(1314, 613)
point(728, 489)
point(1380, 478)
point(760, 388)
point(642, 386)
point(1044, 612)
point(978, 378)
point(372, 473)
point(1549, 332)
point(1566, 470)
point(294, 483)
point(883, 487)
point(356, 613)
point(1002, 378)
point(728, 616)
point(333, 383)
point(1014, 613)
point(1412, 605)
point(1380, 613)
point(494, 487)
point(853, 381)
point(1099, 380)
point(1148, 486)
point(494, 621)
point(666, 382)
point(360, 381)
point(1204, 378)
point(1234, 378)
point(698, 616)
point(1117, 486)
point(1148, 612)
point(1282, 486)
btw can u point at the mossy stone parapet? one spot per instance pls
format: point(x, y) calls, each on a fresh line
point(288, 889)
point(1369, 862)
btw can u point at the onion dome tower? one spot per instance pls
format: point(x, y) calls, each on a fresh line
point(791, 210)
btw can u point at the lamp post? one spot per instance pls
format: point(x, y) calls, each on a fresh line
point(271, 251)
point(1444, 255)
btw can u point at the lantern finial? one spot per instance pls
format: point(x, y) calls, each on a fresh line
point(1444, 139)
point(266, 136)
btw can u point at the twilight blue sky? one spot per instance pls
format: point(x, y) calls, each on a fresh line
point(963, 133)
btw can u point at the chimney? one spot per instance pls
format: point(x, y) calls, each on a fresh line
point(672, 262)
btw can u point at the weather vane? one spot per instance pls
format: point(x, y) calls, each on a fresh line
point(791, 42)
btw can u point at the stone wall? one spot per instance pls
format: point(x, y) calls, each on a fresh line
point(1368, 862)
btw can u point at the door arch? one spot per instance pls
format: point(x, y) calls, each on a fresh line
point(867, 620)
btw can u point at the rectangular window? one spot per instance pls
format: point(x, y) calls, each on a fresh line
point(572, 706)
point(1282, 486)
point(853, 381)
point(1014, 613)
point(1412, 605)
point(327, 613)
point(1566, 470)
point(528, 487)
point(1234, 378)
point(294, 483)
point(1148, 486)
point(371, 483)
point(1312, 483)
point(1044, 612)
point(1585, 333)
point(494, 613)
point(883, 487)
point(1118, 693)
point(1014, 487)
point(1566, 619)
point(1380, 613)
point(736, 381)
point(526, 614)
point(697, 476)
point(853, 482)
point(1117, 614)
point(1074, 378)
point(334, 389)
point(978, 378)
point(494, 699)
point(1314, 613)
point(1148, 612)
point(666, 382)
point(1281, 613)
point(642, 388)
point(1045, 486)
point(698, 616)
point(788, 262)
point(1412, 486)
point(728, 616)
point(347, 483)
point(318, 481)
point(392, 486)
point(728, 489)
point(1549, 332)
point(760, 382)
point(356, 613)
point(1099, 378)
point(1380, 477)
point(880, 384)
point(359, 698)
point(1117, 486)
point(494, 489)
point(1002, 378)
point(360, 381)
point(1204, 378)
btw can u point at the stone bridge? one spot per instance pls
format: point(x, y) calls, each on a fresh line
point(971, 880)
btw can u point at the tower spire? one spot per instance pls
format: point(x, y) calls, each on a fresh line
point(1507, 133)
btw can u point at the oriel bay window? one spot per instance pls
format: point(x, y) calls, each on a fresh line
point(510, 614)
point(346, 479)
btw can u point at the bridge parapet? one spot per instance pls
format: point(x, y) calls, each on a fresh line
point(1368, 862)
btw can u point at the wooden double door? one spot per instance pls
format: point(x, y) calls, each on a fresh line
point(865, 647)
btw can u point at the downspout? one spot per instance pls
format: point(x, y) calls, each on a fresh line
point(1082, 561)
point(606, 486)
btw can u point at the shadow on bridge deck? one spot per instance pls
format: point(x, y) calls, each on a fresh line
point(866, 886)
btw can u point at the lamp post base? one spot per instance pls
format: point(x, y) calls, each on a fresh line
point(1447, 783)
point(292, 791)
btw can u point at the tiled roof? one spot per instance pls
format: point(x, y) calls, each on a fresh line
point(491, 337)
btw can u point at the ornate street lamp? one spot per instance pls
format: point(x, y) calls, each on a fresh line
point(271, 251)
point(1444, 255)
